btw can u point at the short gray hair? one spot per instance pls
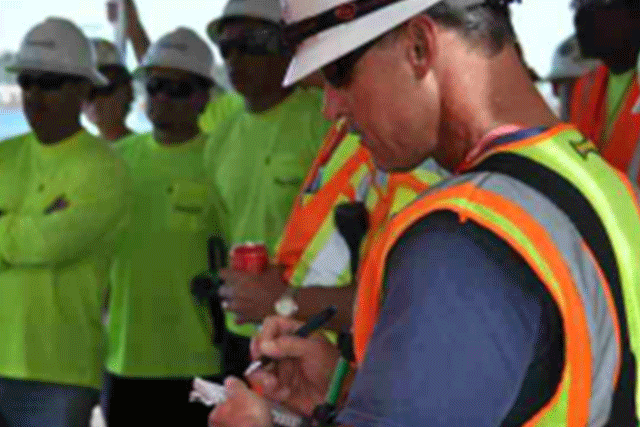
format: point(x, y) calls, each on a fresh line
point(487, 26)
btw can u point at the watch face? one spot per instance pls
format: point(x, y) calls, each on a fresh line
point(286, 306)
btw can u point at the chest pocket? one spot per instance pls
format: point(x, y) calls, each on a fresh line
point(187, 206)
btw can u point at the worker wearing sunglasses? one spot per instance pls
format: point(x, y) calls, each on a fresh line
point(259, 161)
point(159, 338)
point(63, 203)
point(107, 106)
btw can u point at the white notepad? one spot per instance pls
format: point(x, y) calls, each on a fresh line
point(211, 394)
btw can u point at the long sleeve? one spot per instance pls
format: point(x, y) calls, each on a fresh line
point(96, 212)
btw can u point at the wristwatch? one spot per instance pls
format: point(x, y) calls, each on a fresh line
point(286, 304)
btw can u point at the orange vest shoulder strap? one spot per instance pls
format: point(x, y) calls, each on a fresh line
point(305, 220)
point(469, 201)
point(588, 103)
point(620, 147)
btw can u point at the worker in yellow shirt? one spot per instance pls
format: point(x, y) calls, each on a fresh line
point(224, 101)
point(609, 30)
point(158, 336)
point(107, 107)
point(259, 158)
point(63, 203)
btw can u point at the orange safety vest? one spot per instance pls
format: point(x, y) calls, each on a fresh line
point(547, 239)
point(384, 194)
point(310, 211)
point(619, 145)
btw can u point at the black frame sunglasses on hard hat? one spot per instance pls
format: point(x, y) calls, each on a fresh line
point(46, 81)
point(175, 89)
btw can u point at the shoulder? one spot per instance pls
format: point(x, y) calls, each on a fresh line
point(222, 107)
point(228, 136)
point(460, 320)
point(101, 159)
point(15, 142)
point(305, 107)
point(130, 144)
point(441, 249)
point(307, 101)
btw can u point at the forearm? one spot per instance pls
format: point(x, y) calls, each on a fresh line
point(139, 40)
point(312, 300)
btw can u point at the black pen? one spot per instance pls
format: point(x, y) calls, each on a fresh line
point(305, 330)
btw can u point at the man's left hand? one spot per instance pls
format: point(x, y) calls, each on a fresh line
point(251, 296)
point(242, 408)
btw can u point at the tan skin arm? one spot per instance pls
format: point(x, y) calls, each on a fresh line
point(135, 31)
point(252, 297)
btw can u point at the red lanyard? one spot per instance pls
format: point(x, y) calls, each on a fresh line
point(485, 144)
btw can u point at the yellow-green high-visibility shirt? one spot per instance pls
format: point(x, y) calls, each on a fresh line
point(258, 162)
point(156, 329)
point(222, 106)
point(54, 257)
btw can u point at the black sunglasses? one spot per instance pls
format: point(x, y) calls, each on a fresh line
point(176, 89)
point(46, 81)
point(108, 90)
point(263, 41)
point(339, 73)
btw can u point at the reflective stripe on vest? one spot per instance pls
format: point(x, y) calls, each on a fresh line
point(611, 202)
point(553, 248)
point(618, 143)
point(613, 228)
point(397, 190)
point(310, 232)
point(633, 172)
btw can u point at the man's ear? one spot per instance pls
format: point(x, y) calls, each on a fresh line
point(421, 44)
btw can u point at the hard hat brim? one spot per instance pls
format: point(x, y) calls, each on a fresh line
point(141, 72)
point(327, 46)
point(94, 76)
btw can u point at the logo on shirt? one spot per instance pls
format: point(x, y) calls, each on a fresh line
point(293, 181)
point(584, 147)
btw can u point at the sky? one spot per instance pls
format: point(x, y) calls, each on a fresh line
point(541, 24)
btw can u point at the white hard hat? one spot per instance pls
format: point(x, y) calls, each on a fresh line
point(568, 61)
point(106, 53)
point(330, 29)
point(266, 10)
point(181, 50)
point(57, 46)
